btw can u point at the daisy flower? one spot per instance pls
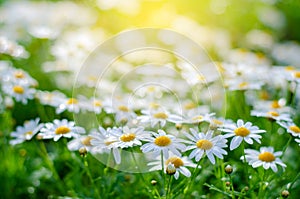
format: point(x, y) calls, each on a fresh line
point(265, 157)
point(159, 117)
point(83, 141)
point(202, 143)
point(73, 105)
point(20, 92)
point(25, 132)
point(130, 137)
point(198, 118)
point(272, 115)
point(104, 142)
point(173, 165)
point(60, 128)
point(242, 131)
point(291, 128)
point(162, 142)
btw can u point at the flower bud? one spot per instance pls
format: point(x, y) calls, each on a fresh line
point(228, 169)
point(170, 170)
point(153, 182)
point(285, 193)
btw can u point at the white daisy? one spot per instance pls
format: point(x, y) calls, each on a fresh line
point(272, 115)
point(73, 105)
point(83, 141)
point(25, 132)
point(202, 143)
point(173, 165)
point(159, 117)
point(291, 128)
point(198, 118)
point(19, 92)
point(162, 142)
point(265, 157)
point(60, 128)
point(129, 137)
point(104, 142)
point(242, 131)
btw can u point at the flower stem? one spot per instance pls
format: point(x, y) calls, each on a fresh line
point(86, 164)
point(246, 166)
point(286, 145)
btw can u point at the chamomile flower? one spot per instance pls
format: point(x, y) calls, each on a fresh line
point(291, 128)
point(19, 92)
point(73, 105)
point(162, 142)
point(274, 115)
point(83, 141)
point(25, 132)
point(129, 137)
point(198, 118)
point(60, 128)
point(202, 143)
point(265, 157)
point(104, 142)
point(242, 131)
point(159, 117)
point(173, 165)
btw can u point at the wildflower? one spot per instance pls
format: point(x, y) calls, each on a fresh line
point(83, 141)
point(26, 132)
point(104, 142)
point(20, 93)
point(60, 128)
point(158, 117)
point(242, 131)
point(174, 165)
point(198, 118)
point(291, 128)
point(162, 142)
point(274, 115)
point(130, 137)
point(73, 105)
point(202, 143)
point(265, 157)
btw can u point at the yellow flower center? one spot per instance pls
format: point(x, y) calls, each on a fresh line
point(18, 89)
point(62, 130)
point(266, 157)
point(297, 74)
point(217, 122)
point(197, 118)
point(72, 101)
point(97, 103)
point(243, 85)
point(176, 161)
point(160, 115)
point(127, 137)
point(241, 131)
point(107, 142)
point(123, 108)
point(151, 89)
point(190, 106)
point(28, 133)
point(295, 129)
point(162, 141)
point(19, 74)
point(275, 104)
point(204, 144)
point(273, 113)
point(290, 68)
point(154, 105)
point(87, 141)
